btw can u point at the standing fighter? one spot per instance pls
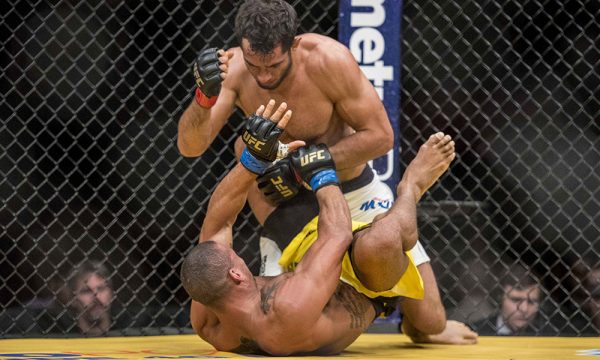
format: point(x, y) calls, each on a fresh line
point(334, 104)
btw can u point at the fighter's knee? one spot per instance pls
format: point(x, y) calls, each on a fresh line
point(378, 264)
point(409, 240)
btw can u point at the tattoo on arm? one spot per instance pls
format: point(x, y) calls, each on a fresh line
point(356, 307)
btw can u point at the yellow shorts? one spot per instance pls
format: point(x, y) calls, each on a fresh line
point(410, 284)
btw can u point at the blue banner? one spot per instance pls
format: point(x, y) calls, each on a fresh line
point(371, 30)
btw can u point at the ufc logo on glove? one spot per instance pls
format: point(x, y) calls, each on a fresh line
point(283, 190)
point(252, 141)
point(308, 158)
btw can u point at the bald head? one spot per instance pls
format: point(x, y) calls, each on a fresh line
point(204, 273)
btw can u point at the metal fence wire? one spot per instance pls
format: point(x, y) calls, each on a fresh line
point(91, 177)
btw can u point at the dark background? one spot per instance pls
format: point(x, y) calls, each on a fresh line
point(91, 95)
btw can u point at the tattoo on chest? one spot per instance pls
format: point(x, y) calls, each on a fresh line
point(354, 304)
point(267, 294)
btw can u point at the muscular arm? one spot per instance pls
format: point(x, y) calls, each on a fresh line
point(225, 204)
point(315, 279)
point(230, 195)
point(198, 126)
point(358, 104)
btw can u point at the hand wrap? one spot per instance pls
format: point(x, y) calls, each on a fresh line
point(208, 77)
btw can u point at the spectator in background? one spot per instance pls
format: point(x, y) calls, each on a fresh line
point(591, 304)
point(90, 294)
point(84, 303)
point(80, 305)
point(519, 306)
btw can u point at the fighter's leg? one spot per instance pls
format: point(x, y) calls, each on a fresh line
point(426, 316)
point(378, 252)
point(424, 321)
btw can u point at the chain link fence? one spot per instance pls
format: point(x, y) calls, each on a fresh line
point(91, 177)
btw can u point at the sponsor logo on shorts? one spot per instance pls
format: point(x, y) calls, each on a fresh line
point(376, 203)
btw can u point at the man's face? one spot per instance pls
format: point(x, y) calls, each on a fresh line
point(520, 306)
point(93, 296)
point(269, 70)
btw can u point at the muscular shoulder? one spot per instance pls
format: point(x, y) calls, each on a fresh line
point(278, 302)
point(329, 63)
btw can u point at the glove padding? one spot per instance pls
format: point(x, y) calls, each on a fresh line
point(279, 182)
point(207, 73)
point(261, 137)
point(315, 166)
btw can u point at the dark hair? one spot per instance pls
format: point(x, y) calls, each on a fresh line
point(84, 270)
point(518, 277)
point(204, 273)
point(266, 24)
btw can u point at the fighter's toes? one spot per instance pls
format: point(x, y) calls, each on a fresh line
point(448, 147)
point(443, 141)
point(435, 138)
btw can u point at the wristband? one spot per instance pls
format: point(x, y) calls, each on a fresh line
point(253, 164)
point(203, 100)
point(322, 178)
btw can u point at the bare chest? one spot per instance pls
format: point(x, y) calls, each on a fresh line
point(314, 118)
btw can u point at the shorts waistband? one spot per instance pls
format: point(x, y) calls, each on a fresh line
point(290, 217)
point(365, 177)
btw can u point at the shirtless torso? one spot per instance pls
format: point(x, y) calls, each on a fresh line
point(276, 330)
point(333, 102)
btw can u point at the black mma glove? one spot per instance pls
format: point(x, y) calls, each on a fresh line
point(315, 166)
point(279, 182)
point(261, 137)
point(208, 77)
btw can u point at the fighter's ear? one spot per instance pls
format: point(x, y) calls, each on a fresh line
point(236, 275)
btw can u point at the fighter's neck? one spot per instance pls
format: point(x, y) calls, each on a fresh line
point(239, 305)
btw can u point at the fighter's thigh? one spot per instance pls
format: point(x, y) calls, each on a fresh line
point(377, 259)
point(427, 315)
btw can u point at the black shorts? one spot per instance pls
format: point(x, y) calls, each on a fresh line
point(290, 217)
point(385, 305)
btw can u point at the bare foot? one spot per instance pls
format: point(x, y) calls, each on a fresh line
point(432, 160)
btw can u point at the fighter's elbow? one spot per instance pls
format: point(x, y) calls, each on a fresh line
point(187, 151)
point(384, 141)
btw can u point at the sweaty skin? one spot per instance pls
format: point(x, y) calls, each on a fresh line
point(308, 311)
point(333, 102)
